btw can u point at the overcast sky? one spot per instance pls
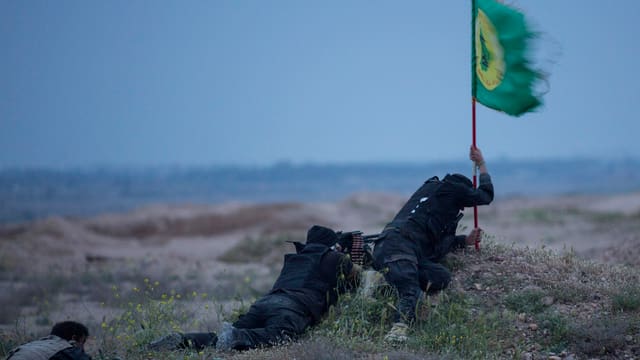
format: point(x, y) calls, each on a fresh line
point(86, 83)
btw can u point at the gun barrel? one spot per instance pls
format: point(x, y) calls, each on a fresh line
point(371, 237)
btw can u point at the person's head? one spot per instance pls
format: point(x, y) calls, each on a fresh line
point(71, 331)
point(458, 179)
point(321, 235)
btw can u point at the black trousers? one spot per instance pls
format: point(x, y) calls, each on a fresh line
point(397, 256)
point(271, 320)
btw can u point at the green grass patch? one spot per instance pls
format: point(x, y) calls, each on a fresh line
point(570, 293)
point(553, 332)
point(627, 298)
point(447, 327)
point(451, 328)
point(147, 313)
point(525, 301)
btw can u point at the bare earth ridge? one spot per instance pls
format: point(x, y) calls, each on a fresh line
point(189, 248)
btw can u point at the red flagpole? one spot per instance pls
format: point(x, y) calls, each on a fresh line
point(473, 110)
point(475, 180)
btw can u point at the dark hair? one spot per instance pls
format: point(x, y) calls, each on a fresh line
point(68, 329)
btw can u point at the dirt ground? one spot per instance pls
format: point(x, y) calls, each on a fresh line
point(72, 263)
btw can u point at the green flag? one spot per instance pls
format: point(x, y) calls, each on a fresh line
point(502, 77)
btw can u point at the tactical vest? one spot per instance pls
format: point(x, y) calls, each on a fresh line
point(42, 349)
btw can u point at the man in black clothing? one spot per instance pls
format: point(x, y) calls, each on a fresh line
point(308, 284)
point(66, 342)
point(422, 233)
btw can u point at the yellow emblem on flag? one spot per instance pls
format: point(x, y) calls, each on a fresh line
point(489, 53)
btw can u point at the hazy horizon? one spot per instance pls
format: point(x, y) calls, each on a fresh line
point(33, 194)
point(602, 160)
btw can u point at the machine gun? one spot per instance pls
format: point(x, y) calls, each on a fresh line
point(358, 246)
point(354, 243)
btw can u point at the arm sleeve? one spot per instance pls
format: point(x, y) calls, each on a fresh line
point(460, 242)
point(341, 270)
point(345, 267)
point(483, 195)
point(446, 245)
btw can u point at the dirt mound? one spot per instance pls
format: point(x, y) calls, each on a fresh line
point(603, 228)
point(190, 221)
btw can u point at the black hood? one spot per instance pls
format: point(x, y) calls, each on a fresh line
point(458, 179)
point(321, 235)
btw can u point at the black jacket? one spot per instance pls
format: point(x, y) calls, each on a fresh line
point(311, 277)
point(431, 214)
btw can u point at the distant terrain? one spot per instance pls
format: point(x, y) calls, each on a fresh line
point(30, 194)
